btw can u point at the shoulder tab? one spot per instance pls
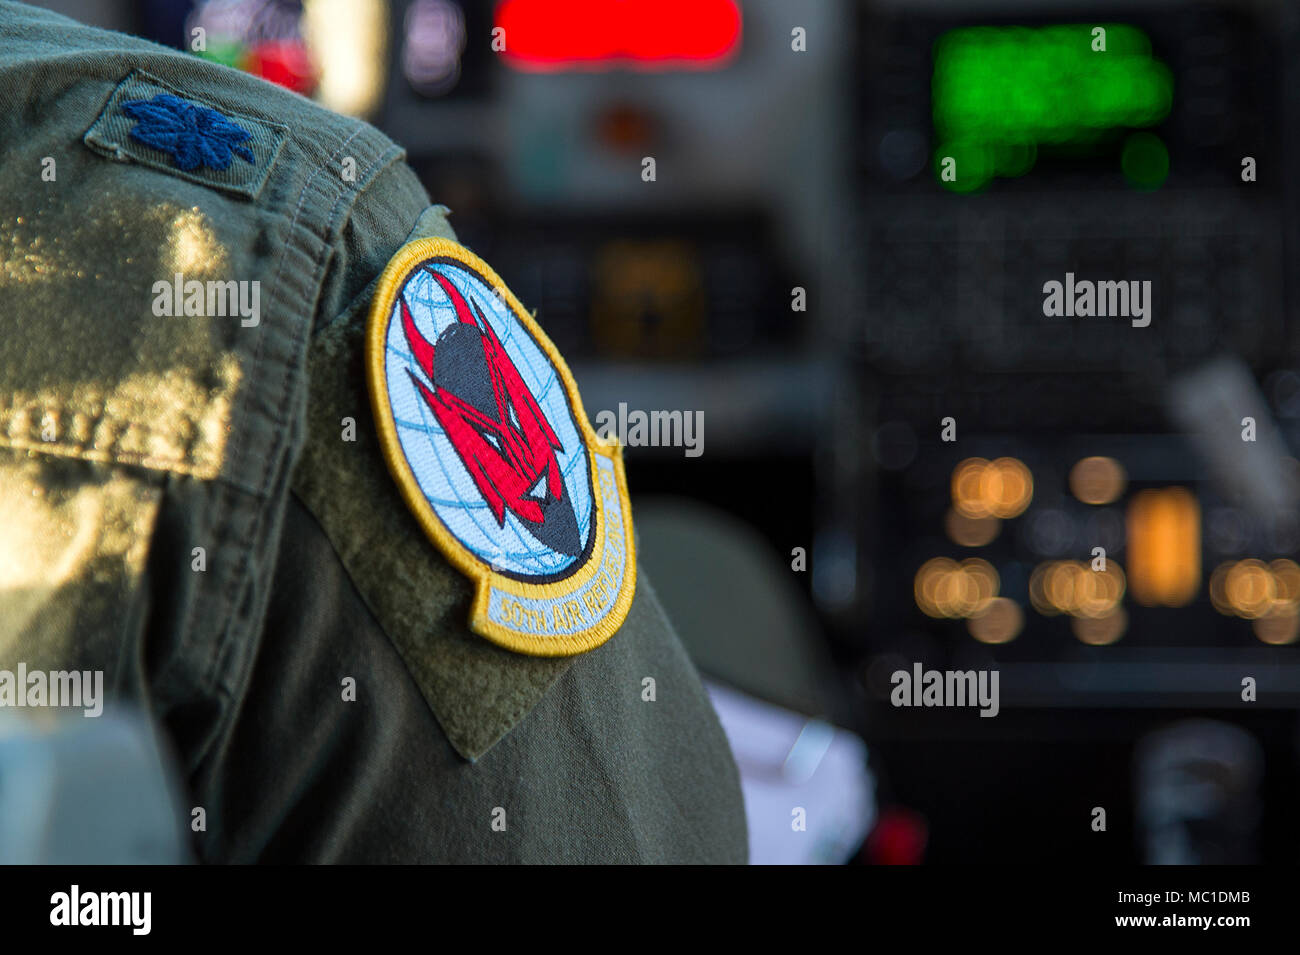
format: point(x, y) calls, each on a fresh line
point(149, 122)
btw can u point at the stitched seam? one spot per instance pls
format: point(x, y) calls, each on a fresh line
point(275, 289)
point(202, 470)
point(241, 583)
point(304, 332)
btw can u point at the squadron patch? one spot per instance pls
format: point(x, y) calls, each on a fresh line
point(485, 434)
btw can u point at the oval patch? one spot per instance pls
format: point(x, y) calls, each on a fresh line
point(484, 432)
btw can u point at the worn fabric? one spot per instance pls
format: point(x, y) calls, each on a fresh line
point(147, 454)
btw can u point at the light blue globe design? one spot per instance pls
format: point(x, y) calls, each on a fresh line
point(435, 464)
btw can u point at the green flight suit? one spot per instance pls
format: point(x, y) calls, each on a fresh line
point(180, 509)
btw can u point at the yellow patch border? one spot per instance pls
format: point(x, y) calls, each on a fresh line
point(484, 578)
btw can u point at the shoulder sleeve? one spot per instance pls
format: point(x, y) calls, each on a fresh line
point(399, 733)
point(154, 323)
point(477, 691)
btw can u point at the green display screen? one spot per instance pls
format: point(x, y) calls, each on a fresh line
point(999, 93)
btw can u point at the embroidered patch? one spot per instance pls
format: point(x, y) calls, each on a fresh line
point(487, 439)
point(193, 135)
point(148, 122)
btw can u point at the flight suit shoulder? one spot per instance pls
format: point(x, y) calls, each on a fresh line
point(170, 230)
point(175, 222)
point(422, 603)
point(415, 543)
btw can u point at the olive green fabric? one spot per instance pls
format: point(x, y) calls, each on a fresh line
point(204, 396)
point(145, 471)
point(594, 773)
point(375, 229)
point(208, 409)
point(73, 549)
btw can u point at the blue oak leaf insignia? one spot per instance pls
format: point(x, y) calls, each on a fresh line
point(193, 135)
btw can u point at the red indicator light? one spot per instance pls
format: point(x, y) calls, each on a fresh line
point(554, 35)
point(282, 62)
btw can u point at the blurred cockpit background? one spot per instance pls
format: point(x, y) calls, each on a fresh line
point(798, 256)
